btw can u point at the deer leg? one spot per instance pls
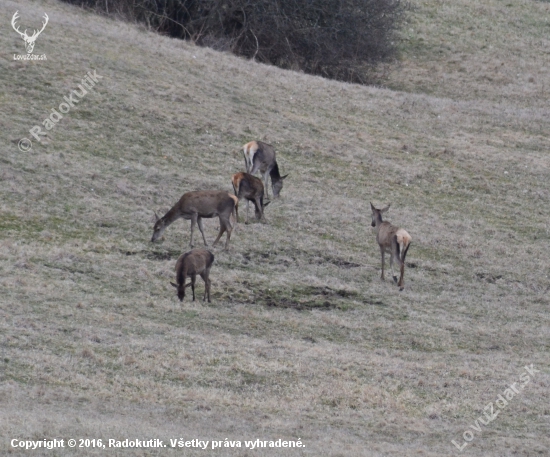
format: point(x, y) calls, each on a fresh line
point(185, 286)
point(222, 229)
point(229, 229)
point(259, 209)
point(204, 276)
point(201, 228)
point(391, 266)
point(401, 282)
point(225, 225)
point(382, 254)
point(266, 177)
point(193, 279)
point(239, 198)
point(254, 167)
point(247, 203)
point(193, 222)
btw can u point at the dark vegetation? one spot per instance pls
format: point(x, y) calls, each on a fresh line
point(339, 39)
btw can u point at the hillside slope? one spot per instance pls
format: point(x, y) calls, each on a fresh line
point(302, 340)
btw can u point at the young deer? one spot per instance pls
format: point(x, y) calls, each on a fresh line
point(261, 156)
point(196, 206)
point(251, 188)
point(191, 264)
point(394, 240)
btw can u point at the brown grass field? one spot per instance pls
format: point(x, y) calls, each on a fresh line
point(302, 340)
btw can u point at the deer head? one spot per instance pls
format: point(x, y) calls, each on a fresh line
point(29, 40)
point(158, 229)
point(377, 214)
point(181, 289)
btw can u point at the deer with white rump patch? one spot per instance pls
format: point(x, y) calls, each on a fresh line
point(394, 240)
point(197, 205)
point(191, 264)
point(261, 156)
point(250, 188)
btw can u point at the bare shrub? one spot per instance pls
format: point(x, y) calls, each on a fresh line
point(339, 39)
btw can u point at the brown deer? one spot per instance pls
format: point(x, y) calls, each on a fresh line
point(394, 240)
point(191, 264)
point(251, 188)
point(261, 156)
point(197, 205)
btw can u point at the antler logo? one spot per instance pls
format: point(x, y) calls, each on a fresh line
point(29, 40)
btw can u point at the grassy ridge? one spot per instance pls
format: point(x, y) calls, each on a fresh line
point(302, 339)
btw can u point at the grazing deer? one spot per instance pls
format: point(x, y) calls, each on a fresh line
point(196, 206)
point(251, 188)
point(261, 156)
point(394, 240)
point(29, 40)
point(191, 264)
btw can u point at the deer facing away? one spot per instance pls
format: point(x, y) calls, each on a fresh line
point(261, 156)
point(250, 188)
point(394, 240)
point(197, 205)
point(191, 264)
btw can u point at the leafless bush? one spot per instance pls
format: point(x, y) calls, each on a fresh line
point(340, 39)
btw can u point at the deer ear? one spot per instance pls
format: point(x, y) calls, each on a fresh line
point(383, 210)
point(372, 206)
point(175, 285)
point(283, 177)
point(156, 216)
point(267, 203)
point(187, 285)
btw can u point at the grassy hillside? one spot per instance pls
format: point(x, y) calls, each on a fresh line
point(302, 340)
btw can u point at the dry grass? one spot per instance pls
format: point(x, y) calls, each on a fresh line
point(302, 339)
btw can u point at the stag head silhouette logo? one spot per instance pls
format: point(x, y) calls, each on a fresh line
point(29, 40)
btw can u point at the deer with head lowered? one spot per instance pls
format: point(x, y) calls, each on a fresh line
point(261, 156)
point(250, 188)
point(197, 205)
point(191, 264)
point(29, 40)
point(394, 240)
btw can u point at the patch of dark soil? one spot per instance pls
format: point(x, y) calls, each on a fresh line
point(300, 306)
point(305, 298)
point(288, 257)
point(342, 263)
point(488, 277)
point(153, 255)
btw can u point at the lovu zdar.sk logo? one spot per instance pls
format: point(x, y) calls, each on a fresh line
point(29, 40)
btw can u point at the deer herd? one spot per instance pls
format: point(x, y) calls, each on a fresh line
point(204, 204)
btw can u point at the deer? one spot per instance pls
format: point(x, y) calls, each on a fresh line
point(191, 264)
point(261, 156)
point(197, 205)
point(250, 188)
point(29, 40)
point(394, 240)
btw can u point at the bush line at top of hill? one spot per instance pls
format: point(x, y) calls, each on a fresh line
point(330, 38)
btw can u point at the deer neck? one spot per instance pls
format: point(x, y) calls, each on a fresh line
point(377, 223)
point(172, 215)
point(274, 173)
